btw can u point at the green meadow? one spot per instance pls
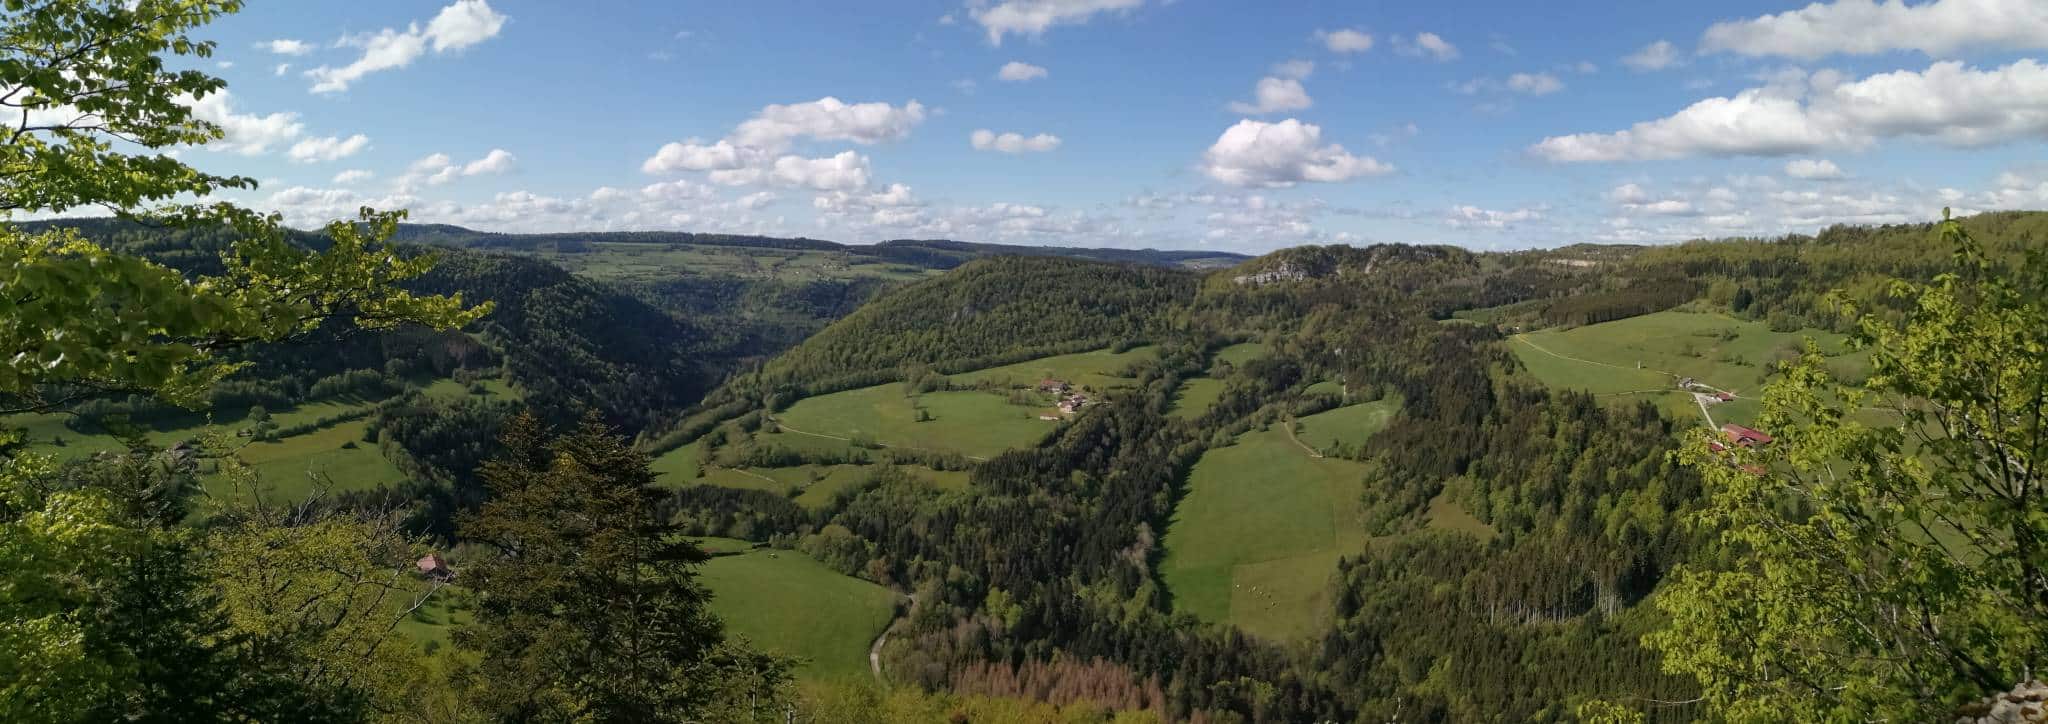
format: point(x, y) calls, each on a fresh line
point(788, 603)
point(1256, 537)
point(1641, 357)
point(1350, 424)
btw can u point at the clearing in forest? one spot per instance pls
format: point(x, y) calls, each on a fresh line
point(788, 603)
point(977, 423)
point(1717, 350)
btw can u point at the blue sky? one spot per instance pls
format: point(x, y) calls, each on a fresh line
point(1188, 124)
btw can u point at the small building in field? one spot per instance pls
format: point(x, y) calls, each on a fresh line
point(434, 568)
point(1724, 396)
point(1744, 437)
point(1053, 385)
point(1072, 404)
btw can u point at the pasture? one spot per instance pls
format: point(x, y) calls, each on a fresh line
point(787, 603)
point(1254, 540)
point(1642, 357)
point(1350, 424)
point(334, 458)
point(1097, 370)
point(1196, 396)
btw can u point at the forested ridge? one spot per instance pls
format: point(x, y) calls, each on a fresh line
point(386, 473)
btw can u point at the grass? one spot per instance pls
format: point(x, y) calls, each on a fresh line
point(290, 466)
point(1255, 538)
point(1196, 396)
point(790, 604)
point(1240, 353)
point(1097, 370)
point(972, 423)
point(1718, 350)
point(1350, 424)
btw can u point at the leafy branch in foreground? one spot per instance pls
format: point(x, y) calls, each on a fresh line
point(1885, 558)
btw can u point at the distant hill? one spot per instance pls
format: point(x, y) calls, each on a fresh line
point(926, 253)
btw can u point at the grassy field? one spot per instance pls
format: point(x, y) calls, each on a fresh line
point(973, 423)
point(1718, 350)
point(1098, 370)
point(1351, 424)
point(1195, 396)
point(1257, 535)
point(296, 466)
point(1241, 353)
point(788, 603)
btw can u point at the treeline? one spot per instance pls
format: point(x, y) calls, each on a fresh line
point(1004, 308)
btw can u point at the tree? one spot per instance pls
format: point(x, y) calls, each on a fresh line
point(105, 613)
point(1884, 570)
point(591, 609)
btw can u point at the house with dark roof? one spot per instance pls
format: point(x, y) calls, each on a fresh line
point(434, 568)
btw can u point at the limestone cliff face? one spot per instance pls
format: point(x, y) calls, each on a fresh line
point(2025, 704)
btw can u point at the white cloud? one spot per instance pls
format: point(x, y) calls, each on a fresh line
point(1033, 17)
point(352, 176)
point(1535, 84)
point(1948, 103)
point(1473, 217)
point(755, 151)
point(1941, 28)
point(287, 46)
point(1808, 168)
point(1274, 95)
point(1018, 72)
point(827, 119)
point(1296, 69)
point(986, 140)
point(693, 156)
point(243, 133)
point(439, 168)
point(497, 161)
point(329, 148)
point(756, 200)
point(1346, 40)
point(1256, 153)
point(1634, 198)
point(281, 69)
point(1428, 45)
point(459, 25)
point(1653, 57)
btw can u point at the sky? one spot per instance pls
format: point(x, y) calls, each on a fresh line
point(1192, 124)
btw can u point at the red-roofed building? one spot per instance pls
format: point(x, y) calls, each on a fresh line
point(1745, 437)
point(433, 567)
point(1053, 385)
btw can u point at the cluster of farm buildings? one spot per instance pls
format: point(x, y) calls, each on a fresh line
point(1071, 401)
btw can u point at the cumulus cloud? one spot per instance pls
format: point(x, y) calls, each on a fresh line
point(1810, 168)
point(329, 148)
point(1948, 103)
point(459, 25)
point(1274, 95)
point(1427, 45)
point(1261, 154)
point(352, 176)
point(287, 46)
point(1033, 17)
point(1634, 198)
point(439, 168)
point(1653, 57)
point(244, 133)
point(1347, 40)
point(1473, 217)
point(987, 140)
point(1940, 28)
point(755, 152)
point(1018, 72)
point(1296, 69)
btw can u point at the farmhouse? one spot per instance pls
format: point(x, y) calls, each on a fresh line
point(1072, 404)
point(1053, 385)
point(1744, 437)
point(433, 567)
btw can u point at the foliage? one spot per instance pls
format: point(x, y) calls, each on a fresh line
point(1894, 571)
point(590, 607)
